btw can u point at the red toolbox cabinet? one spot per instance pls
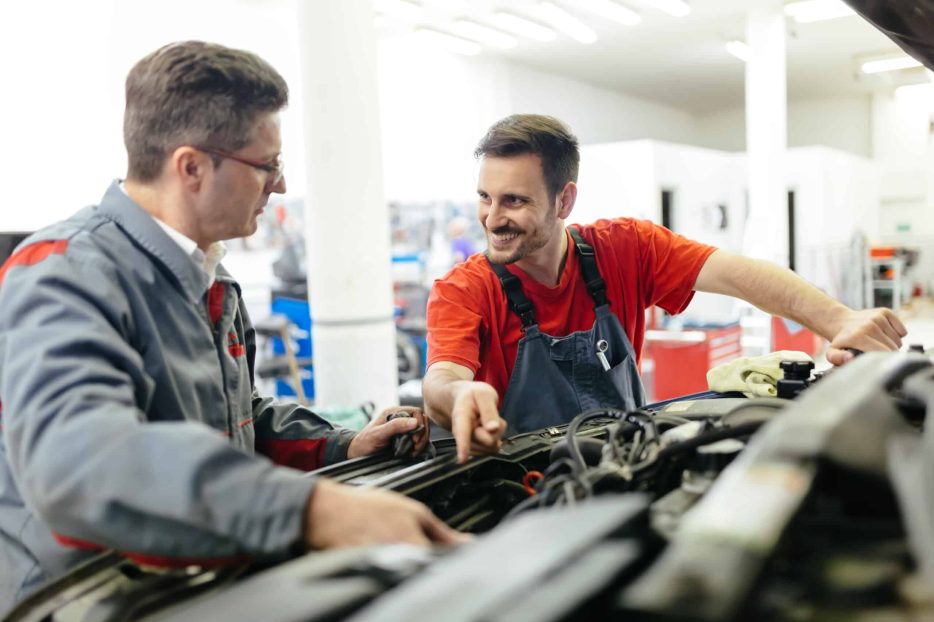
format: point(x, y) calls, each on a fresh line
point(681, 358)
point(789, 335)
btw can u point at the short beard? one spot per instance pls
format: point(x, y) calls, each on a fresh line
point(526, 248)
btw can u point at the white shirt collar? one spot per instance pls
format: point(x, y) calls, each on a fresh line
point(206, 261)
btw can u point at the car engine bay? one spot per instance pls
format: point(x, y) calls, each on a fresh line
point(711, 507)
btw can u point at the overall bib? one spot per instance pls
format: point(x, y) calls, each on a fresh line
point(556, 378)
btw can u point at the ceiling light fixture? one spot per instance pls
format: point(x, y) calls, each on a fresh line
point(565, 22)
point(739, 49)
point(524, 27)
point(401, 9)
point(483, 34)
point(448, 41)
point(806, 11)
point(894, 63)
point(676, 8)
point(611, 10)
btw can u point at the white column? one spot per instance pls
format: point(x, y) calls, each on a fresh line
point(766, 121)
point(347, 220)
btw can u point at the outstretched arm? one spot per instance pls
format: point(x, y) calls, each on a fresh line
point(454, 400)
point(780, 291)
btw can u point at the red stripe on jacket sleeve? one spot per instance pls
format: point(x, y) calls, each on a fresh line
point(155, 561)
point(33, 254)
point(75, 543)
point(305, 454)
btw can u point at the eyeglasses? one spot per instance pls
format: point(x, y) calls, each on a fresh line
point(274, 168)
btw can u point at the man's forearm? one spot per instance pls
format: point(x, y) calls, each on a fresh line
point(773, 289)
point(439, 393)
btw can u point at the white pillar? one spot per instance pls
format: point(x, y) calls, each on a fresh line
point(766, 121)
point(347, 220)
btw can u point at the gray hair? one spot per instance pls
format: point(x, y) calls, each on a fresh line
point(195, 93)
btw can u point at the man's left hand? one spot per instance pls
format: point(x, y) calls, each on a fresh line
point(866, 330)
point(378, 433)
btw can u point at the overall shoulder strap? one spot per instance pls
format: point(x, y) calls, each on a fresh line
point(517, 299)
point(589, 270)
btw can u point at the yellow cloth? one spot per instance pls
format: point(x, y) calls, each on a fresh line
point(755, 376)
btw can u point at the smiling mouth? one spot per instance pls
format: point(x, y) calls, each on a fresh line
point(501, 237)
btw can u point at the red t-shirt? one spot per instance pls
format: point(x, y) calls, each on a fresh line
point(643, 264)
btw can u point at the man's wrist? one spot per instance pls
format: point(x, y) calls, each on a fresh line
point(831, 322)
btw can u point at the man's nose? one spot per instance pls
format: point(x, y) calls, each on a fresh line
point(278, 186)
point(494, 216)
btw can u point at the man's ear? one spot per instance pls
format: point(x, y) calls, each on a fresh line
point(190, 166)
point(566, 199)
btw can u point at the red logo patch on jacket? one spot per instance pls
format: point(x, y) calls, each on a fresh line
point(234, 346)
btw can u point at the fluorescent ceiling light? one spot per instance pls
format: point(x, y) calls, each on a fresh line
point(915, 91)
point(739, 49)
point(398, 8)
point(483, 34)
point(889, 64)
point(565, 22)
point(611, 10)
point(677, 8)
point(448, 41)
point(524, 27)
point(807, 11)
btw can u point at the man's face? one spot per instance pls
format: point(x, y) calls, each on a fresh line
point(515, 209)
point(239, 191)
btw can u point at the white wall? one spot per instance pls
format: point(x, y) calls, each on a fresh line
point(66, 63)
point(836, 198)
point(902, 142)
point(627, 178)
point(64, 68)
point(436, 106)
point(842, 123)
point(902, 145)
point(617, 179)
point(837, 195)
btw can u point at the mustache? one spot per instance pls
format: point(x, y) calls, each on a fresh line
point(505, 230)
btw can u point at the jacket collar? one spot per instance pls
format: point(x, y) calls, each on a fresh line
point(145, 231)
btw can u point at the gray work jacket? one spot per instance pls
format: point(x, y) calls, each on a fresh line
point(129, 415)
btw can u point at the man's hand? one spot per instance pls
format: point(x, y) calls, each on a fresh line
point(378, 433)
point(465, 406)
point(867, 330)
point(475, 421)
point(342, 516)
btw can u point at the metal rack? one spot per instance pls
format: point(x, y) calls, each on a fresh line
point(887, 289)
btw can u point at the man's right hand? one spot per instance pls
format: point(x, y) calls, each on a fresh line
point(475, 421)
point(466, 407)
point(343, 516)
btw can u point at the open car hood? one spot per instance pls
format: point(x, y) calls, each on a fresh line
point(909, 23)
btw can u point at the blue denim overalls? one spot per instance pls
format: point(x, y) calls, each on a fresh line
point(556, 378)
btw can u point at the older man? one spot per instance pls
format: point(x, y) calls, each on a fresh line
point(130, 419)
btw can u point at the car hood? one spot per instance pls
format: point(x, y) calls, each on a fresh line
point(909, 24)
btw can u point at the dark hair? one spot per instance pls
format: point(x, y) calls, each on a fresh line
point(544, 136)
point(195, 93)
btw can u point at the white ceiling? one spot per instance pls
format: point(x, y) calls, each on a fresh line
point(682, 61)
